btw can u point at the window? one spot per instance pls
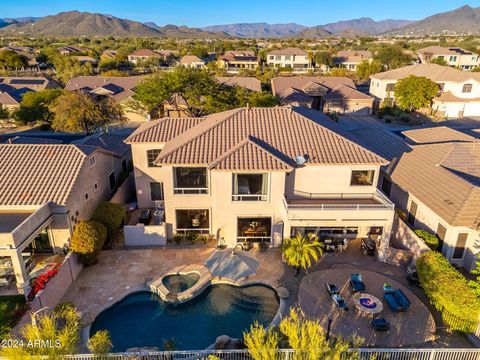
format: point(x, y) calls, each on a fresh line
point(441, 233)
point(190, 180)
point(467, 88)
point(272, 57)
point(250, 187)
point(193, 220)
point(362, 177)
point(390, 87)
point(453, 58)
point(258, 229)
point(92, 160)
point(386, 186)
point(288, 57)
point(156, 191)
point(152, 156)
point(460, 246)
point(95, 186)
point(86, 196)
point(278, 57)
point(111, 180)
point(412, 213)
point(441, 86)
point(441, 57)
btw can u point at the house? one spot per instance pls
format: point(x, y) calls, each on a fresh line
point(453, 56)
point(120, 89)
point(459, 91)
point(260, 175)
point(234, 61)
point(109, 54)
point(293, 58)
point(247, 82)
point(327, 94)
point(27, 52)
point(192, 61)
point(350, 59)
point(69, 50)
point(85, 59)
point(13, 88)
point(45, 189)
point(143, 55)
point(433, 178)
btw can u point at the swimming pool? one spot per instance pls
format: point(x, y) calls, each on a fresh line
point(177, 283)
point(142, 319)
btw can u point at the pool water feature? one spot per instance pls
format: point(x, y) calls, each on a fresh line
point(177, 283)
point(144, 320)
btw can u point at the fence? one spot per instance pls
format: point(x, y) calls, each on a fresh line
point(405, 238)
point(145, 235)
point(361, 354)
point(125, 192)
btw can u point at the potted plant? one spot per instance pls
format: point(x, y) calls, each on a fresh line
point(192, 236)
point(177, 238)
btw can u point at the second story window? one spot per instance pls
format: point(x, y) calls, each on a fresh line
point(92, 160)
point(390, 87)
point(250, 187)
point(467, 88)
point(278, 57)
point(288, 58)
point(152, 156)
point(362, 177)
point(190, 180)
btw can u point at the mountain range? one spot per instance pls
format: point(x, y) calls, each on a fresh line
point(464, 20)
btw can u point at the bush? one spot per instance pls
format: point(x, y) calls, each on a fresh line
point(430, 239)
point(112, 216)
point(177, 238)
point(100, 343)
point(87, 241)
point(448, 290)
point(401, 214)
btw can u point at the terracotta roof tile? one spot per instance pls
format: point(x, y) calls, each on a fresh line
point(162, 130)
point(437, 135)
point(247, 82)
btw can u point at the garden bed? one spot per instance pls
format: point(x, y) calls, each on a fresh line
point(11, 310)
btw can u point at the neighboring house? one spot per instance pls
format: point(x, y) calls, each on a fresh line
point(142, 55)
point(327, 94)
point(85, 59)
point(109, 54)
point(192, 61)
point(234, 61)
point(260, 175)
point(453, 56)
point(249, 83)
point(12, 89)
point(434, 179)
point(350, 59)
point(68, 50)
point(27, 52)
point(45, 189)
point(120, 89)
point(293, 58)
point(459, 93)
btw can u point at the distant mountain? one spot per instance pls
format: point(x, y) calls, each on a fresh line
point(464, 20)
point(75, 23)
point(152, 25)
point(257, 30)
point(366, 25)
point(22, 20)
point(312, 32)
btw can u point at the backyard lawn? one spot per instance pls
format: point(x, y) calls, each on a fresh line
point(11, 310)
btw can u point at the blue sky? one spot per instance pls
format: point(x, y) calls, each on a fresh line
point(208, 12)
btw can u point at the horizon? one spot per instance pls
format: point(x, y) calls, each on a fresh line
point(189, 13)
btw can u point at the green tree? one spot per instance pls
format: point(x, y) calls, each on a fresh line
point(392, 57)
point(430, 239)
point(35, 106)
point(415, 92)
point(262, 344)
point(61, 329)
point(78, 112)
point(67, 67)
point(11, 60)
point(100, 343)
point(301, 252)
point(87, 240)
point(367, 68)
point(323, 58)
point(439, 61)
point(262, 99)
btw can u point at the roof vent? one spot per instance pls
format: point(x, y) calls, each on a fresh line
point(300, 160)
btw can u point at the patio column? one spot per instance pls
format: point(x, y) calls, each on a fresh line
point(384, 243)
point(21, 273)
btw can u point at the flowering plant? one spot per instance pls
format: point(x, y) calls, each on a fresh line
point(41, 281)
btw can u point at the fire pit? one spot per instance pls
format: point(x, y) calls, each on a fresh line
point(367, 304)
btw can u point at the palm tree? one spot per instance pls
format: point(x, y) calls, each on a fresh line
point(300, 251)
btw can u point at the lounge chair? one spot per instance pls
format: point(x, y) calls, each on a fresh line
point(380, 324)
point(331, 289)
point(356, 283)
point(397, 301)
point(339, 302)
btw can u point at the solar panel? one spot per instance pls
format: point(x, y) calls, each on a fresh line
point(26, 82)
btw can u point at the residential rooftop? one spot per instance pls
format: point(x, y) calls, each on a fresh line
point(434, 72)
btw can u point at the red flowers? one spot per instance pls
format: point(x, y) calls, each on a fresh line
point(41, 281)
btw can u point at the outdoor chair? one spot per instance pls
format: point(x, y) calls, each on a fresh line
point(331, 288)
point(380, 324)
point(356, 283)
point(397, 301)
point(339, 302)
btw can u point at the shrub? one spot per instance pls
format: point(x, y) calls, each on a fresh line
point(448, 290)
point(192, 236)
point(177, 238)
point(100, 343)
point(401, 214)
point(430, 239)
point(88, 239)
point(112, 216)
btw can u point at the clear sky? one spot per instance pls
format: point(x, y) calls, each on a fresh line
point(209, 12)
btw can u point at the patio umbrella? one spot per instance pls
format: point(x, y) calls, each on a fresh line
point(231, 265)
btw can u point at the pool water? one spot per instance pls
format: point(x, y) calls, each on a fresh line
point(144, 320)
point(178, 283)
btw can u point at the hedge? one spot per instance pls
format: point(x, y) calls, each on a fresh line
point(430, 239)
point(112, 216)
point(448, 290)
point(87, 241)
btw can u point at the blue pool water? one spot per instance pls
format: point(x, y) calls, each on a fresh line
point(144, 320)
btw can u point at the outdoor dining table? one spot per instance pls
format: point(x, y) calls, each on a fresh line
point(367, 304)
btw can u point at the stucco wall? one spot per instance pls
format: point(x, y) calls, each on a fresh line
point(141, 235)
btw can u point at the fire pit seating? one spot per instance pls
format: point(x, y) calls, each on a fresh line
point(397, 301)
point(356, 283)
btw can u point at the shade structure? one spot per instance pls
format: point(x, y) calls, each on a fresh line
point(231, 265)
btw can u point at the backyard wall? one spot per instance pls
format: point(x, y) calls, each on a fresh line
point(403, 237)
point(58, 285)
point(125, 192)
point(141, 235)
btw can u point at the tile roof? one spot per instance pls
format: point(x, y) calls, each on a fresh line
point(32, 83)
point(31, 140)
point(188, 59)
point(36, 174)
point(288, 51)
point(439, 50)
point(162, 130)
point(447, 96)
point(352, 56)
point(145, 53)
point(437, 134)
point(344, 92)
point(108, 142)
point(285, 131)
point(382, 142)
point(433, 72)
point(247, 82)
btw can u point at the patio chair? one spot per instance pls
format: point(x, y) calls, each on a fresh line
point(397, 301)
point(331, 288)
point(339, 302)
point(356, 283)
point(380, 324)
